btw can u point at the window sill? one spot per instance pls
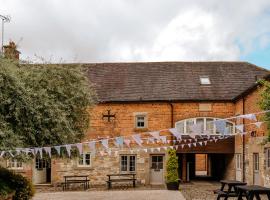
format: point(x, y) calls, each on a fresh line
point(140, 129)
point(83, 168)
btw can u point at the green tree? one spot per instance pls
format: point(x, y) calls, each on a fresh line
point(265, 102)
point(43, 104)
point(172, 167)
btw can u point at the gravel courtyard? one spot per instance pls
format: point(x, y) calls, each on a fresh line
point(112, 195)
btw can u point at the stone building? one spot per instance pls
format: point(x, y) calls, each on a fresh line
point(144, 97)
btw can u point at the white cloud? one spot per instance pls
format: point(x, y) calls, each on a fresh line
point(128, 30)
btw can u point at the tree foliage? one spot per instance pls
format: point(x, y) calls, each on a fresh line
point(172, 167)
point(265, 102)
point(43, 104)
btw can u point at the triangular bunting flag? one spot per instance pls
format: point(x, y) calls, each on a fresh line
point(137, 139)
point(58, 149)
point(127, 142)
point(258, 124)
point(175, 133)
point(249, 116)
point(79, 147)
point(68, 148)
point(48, 151)
point(2, 154)
point(119, 141)
point(155, 134)
point(105, 143)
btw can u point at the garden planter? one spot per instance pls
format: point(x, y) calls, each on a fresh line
point(172, 185)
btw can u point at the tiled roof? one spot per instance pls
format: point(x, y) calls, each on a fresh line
point(172, 81)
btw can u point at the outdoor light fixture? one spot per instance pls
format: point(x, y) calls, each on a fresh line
point(4, 20)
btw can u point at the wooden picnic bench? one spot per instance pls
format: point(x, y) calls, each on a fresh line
point(121, 178)
point(68, 180)
point(232, 189)
point(252, 191)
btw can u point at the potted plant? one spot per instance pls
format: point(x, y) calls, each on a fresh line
point(172, 180)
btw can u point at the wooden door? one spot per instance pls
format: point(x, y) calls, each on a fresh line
point(238, 167)
point(256, 172)
point(156, 170)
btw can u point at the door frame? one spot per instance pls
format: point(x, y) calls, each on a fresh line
point(45, 165)
point(150, 165)
point(256, 166)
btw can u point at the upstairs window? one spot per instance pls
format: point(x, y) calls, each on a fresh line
point(204, 80)
point(205, 124)
point(140, 120)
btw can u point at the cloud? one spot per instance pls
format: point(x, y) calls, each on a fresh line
point(129, 30)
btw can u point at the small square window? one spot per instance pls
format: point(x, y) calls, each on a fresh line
point(140, 121)
point(84, 160)
point(205, 80)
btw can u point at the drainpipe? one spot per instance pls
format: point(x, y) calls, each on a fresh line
point(172, 119)
point(244, 143)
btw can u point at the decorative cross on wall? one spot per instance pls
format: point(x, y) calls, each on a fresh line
point(109, 116)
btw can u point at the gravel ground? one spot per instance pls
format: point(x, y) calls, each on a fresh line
point(112, 195)
point(202, 190)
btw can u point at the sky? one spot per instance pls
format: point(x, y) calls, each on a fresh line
point(140, 30)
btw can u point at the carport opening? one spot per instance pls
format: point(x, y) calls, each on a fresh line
point(201, 165)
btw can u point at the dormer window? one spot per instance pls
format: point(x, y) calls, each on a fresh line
point(205, 80)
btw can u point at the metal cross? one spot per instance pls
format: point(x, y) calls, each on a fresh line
point(108, 116)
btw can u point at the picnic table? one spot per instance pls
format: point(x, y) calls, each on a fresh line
point(81, 179)
point(121, 178)
point(252, 191)
point(232, 189)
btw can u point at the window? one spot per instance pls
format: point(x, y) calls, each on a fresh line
point(14, 164)
point(205, 124)
point(238, 161)
point(268, 158)
point(140, 121)
point(84, 160)
point(256, 161)
point(42, 163)
point(128, 163)
point(205, 80)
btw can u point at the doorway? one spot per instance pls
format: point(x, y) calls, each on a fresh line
point(156, 170)
point(256, 174)
point(238, 167)
point(42, 171)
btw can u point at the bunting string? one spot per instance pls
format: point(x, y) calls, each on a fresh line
point(196, 137)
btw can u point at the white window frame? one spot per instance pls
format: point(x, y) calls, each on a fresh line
point(267, 158)
point(83, 158)
point(14, 164)
point(238, 161)
point(214, 132)
point(128, 163)
point(205, 80)
point(144, 115)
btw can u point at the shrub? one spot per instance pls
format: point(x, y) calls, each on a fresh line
point(11, 182)
point(172, 167)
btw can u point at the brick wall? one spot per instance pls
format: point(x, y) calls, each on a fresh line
point(252, 144)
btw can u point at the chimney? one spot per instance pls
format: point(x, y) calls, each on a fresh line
point(11, 52)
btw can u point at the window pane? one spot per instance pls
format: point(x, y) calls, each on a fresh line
point(132, 163)
point(230, 126)
point(189, 123)
point(210, 125)
point(200, 123)
point(180, 126)
point(140, 121)
point(123, 163)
